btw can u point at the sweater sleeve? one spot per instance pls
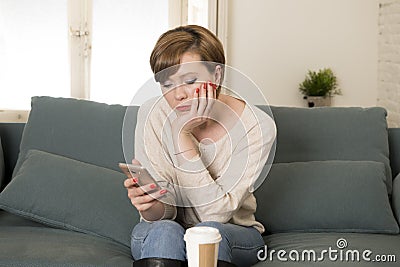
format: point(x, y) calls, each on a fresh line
point(219, 199)
point(148, 146)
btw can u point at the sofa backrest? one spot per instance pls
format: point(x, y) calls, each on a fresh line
point(91, 132)
point(79, 129)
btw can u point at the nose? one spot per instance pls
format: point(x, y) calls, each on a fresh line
point(180, 93)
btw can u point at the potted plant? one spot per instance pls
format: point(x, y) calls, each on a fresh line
point(319, 87)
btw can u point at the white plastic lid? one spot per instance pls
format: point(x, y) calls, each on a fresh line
point(202, 235)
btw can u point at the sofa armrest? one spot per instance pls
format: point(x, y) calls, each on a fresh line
point(2, 170)
point(394, 150)
point(10, 134)
point(396, 197)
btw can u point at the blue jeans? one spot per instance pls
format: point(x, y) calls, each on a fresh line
point(164, 239)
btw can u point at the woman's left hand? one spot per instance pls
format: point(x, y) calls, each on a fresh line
point(202, 103)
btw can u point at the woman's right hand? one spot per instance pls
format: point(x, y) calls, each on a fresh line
point(138, 194)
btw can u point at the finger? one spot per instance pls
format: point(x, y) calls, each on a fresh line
point(140, 200)
point(136, 162)
point(213, 85)
point(134, 192)
point(158, 194)
point(130, 182)
point(214, 89)
point(149, 187)
point(195, 102)
point(202, 99)
point(210, 100)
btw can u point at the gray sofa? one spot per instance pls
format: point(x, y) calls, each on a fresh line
point(332, 189)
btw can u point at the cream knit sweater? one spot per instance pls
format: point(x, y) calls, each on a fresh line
point(217, 184)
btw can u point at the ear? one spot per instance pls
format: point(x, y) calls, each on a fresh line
point(218, 75)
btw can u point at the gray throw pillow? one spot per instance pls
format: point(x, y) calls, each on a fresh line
point(2, 170)
point(70, 194)
point(326, 196)
point(334, 133)
point(396, 197)
point(80, 129)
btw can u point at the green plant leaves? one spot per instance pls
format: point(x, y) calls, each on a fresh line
point(321, 83)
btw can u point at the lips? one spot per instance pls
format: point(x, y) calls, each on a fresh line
point(183, 108)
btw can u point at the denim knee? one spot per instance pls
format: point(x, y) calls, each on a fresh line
point(154, 239)
point(210, 224)
point(166, 228)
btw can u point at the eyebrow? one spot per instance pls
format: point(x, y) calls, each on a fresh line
point(188, 73)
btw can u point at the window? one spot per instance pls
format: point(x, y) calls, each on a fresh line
point(123, 38)
point(198, 12)
point(121, 50)
point(110, 47)
point(33, 51)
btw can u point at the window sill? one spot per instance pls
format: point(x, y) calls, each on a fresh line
point(8, 115)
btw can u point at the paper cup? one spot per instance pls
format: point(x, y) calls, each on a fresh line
point(202, 244)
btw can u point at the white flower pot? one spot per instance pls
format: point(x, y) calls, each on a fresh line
point(318, 101)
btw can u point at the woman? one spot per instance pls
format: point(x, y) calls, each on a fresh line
point(186, 138)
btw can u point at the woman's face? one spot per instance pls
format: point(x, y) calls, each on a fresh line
point(180, 87)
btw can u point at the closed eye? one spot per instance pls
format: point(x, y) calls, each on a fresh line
point(167, 85)
point(192, 81)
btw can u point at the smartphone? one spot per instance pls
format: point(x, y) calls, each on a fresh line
point(140, 172)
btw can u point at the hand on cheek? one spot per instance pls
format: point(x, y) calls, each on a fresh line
point(202, 102)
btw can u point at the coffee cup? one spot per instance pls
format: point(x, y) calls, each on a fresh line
point(202, 244)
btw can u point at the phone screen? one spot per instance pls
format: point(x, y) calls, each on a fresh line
point(140, 172)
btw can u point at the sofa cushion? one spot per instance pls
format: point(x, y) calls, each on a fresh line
point(73, 195)
point(2, 169)
point(48, 247)
point(331, 250)
point(9, 219)
point(83, 130)
point(342, 196)
point(334, 133)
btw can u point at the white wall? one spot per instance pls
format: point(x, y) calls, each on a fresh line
point(389, 60)
point(275, 42)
